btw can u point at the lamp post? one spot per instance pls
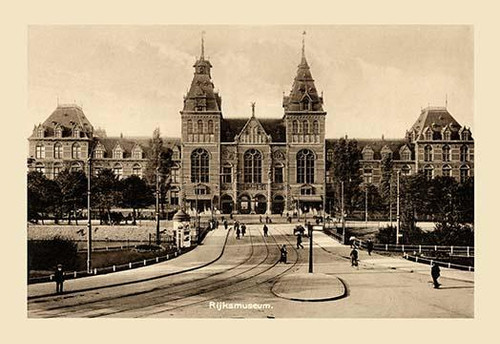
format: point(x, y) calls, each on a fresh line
point(310, 232)
point(157, 205)
point(89, 217)
point(342, 209)
point(366, 205)
point(397, 210)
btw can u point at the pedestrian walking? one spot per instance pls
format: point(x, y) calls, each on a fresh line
point(243, 229)
point(260, 218)
point(225, 224)
point(435, 273)
point(59, 278)
point(238, 233)
point(283, 254)
point(354, 257)
point(299, 241)
point(236, 225)
point(289, 218)
point(369, 246)
point(265, 229)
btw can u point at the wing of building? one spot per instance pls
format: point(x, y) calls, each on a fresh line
point(253, 164)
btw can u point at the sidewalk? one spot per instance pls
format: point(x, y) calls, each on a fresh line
point(209, 251)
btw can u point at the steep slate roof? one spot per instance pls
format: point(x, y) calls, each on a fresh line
point(230, 127)
point(377, 144)
point(67, 116)
point(435, 118)
point(128, 143)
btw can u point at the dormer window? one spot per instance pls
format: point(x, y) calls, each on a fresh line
point(367, 153)
point(386, 152)
point(447, 135)
point(118, 153)
point(41, 132)
point(405, 153)
point(76, 132)
point(137, 153)
point(465, 135)
point(428, 135)
point(58, 132)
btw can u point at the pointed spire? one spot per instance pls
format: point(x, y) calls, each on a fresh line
point(303, 60)
point(253, 109)
point(446, 101)
point(202, 57)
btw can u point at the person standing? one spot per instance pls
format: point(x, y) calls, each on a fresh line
point(284, 253)
point(59, 278)
point(265, 229)
point(237, 232)
point(243, 229)
point(354, 257)
point(225, 224)
point(435, 273)
point(299, 241)
point(369, 246)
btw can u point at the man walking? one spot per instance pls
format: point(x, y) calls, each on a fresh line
point(369, 246)
point(284, 253)
point(299, 241)
point(243, 229)
point(265, 229)
point(59, 278)
point(435, 273)
point(354, 257)
point(237, 232)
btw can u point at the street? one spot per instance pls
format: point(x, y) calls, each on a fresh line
point(237, 281)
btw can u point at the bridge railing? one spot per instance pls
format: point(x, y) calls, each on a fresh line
point(442, 264)
point(465, 251)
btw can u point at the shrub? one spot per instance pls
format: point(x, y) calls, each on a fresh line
point(46, 254)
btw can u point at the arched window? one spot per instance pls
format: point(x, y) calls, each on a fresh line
point(367, 153)
point(427, 153)
point(76, 151)
point(137, 170)
point(406, 170)
point(252, 167)
point(464, 153)
point(200, 126)
point(118, 171)
point(316, 127)
point(405, 154)
point(446, 153)
point(75, 167)
point(210, 126)
point(446, 171)
point(295, 127)
point(189, 126)
point(200, 166)
point(464, 173)
point(305, 127)
point(429, 171)
point(305, 166)
point(58, 149)
point(40, 151)
point(137, 153)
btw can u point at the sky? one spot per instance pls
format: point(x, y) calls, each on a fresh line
point(132, 79)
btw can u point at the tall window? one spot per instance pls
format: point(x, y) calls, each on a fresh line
point(464, 153)
point(76, 151)
point(305, 166)
point(405, 155)
point(210, 126)
point(227, 174)
point(174, 174)
point(190, 126)
point(99, 153)
point(446, 171)
point(117, 153)
point(118, 171)
point(278, 173)
point(329, 155)
point(58, 132)
point(295, 127)
point(137, 153)
point(174, 197)
point(58, 151)
point(427, 153)
point(368, 174)
point(447, 135)
point(446, 153)
point(428, 171)
point(57, 170)
point(464, 173)
point(305, 127)
point(137, 170)
point(252, 167)
point(76, 132)
point(428, 135)
point(200, 126)
point(199, 166)
point(465, 135)
point(40, 151)
point(316, 127)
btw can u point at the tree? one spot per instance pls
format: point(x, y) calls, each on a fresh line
point(386, 187)
point(346, 169)
point(106, 193)
point(73, 186)
point(413, 196)
point(43, 196)
point(136, 195)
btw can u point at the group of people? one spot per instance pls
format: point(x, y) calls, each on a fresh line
point(240, 229)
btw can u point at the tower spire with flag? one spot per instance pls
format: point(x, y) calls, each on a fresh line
point(202, 57)
point(304, 44)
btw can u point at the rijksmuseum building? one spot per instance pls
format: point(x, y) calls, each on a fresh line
point(251, 165)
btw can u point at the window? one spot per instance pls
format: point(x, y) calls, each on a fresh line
point(305, 127)
point(137, 170)
point(41, 132)
point(367, 154)
point(464, 173)
point(446, 171)
point(427, 153)
point(199, 166)
point(316, 127)
point(118, 153)
point(305, 166)
point(190, 126)
point(57, 170)
point(386, 152)
point(227, 174)
point(428, 171)
point(201, 190)
point(446, 153)
point(76, 132)
point(428, 135)
point(210, 126)
point(252, 167)
point(137, 153)
point(176, 154)
point(406, 170)
point(99, 153)
point(405, 155)
point(295, 127)
point(464, 153)
point(329, 177)
point(447, 135)
point(368, 174)
point(200, 126)
point(40, 151)
point(278, 173)
point(76, 151)
point(307, 190)
point(39, 167)
point(58, 132)
point(329, 155)
point(174, 197)
point(465, 135)
point(58, 151)
point(118, 171)
point(174, 175)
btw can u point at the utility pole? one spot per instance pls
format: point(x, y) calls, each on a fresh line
point(366, 206)
point(342, 209)
point(390, 200)
point(397, 214)
point(89, 216)
point(310, 230)
point(158, 241)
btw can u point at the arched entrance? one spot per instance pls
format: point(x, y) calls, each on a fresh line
point(260, 204)
point(244, 204)
point(278, 204)
point(227, 205)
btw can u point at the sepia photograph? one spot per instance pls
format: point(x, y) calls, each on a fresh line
point(250, 171)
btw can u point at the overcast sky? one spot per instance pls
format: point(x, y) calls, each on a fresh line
point(131, 79)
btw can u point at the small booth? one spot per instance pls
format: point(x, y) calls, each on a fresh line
point(182, 230)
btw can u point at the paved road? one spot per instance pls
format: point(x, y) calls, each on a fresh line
point(244, 274)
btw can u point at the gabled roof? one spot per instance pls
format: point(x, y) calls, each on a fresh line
point(434, 118)
point(128, 144)
point(253, 121)
point(377, 145)
point(231, 127)
point(67, 116)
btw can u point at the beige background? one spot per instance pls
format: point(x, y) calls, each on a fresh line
point(16, 328)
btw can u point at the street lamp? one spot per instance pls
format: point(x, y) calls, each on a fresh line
point(89, 217)
point(158, 241)
point(397, 214)
point(342, 209)
point(310, 233)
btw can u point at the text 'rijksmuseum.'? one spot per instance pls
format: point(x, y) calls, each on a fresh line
point(252, 165)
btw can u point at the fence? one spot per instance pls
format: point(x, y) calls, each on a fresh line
point(442, 264)
point(464, 251)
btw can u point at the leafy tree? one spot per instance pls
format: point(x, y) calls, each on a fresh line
point(413, 196)
point(73, 186)
point(387, 185)
point(106, 193)
point(136, 195)
point(43, 196)
point(346, 162)
point(465, 201)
